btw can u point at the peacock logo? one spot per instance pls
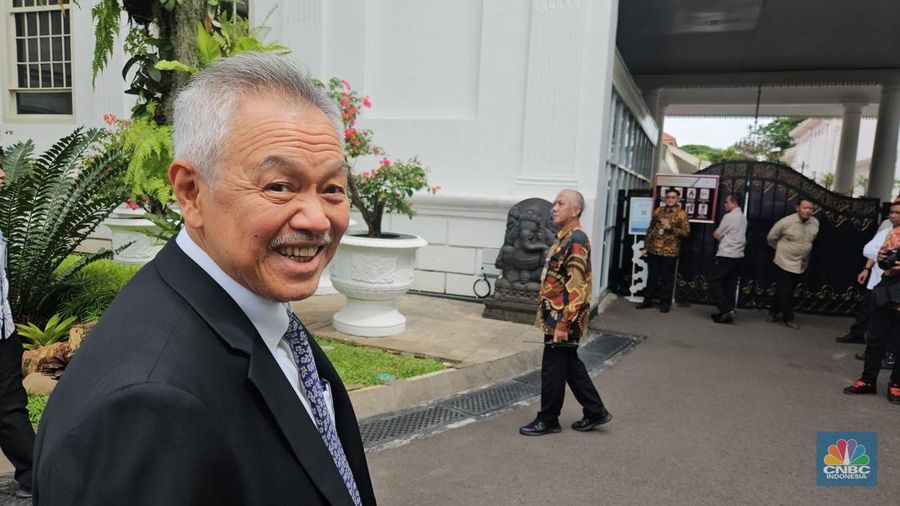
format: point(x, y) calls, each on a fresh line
point(847, 459)
point(846, 452)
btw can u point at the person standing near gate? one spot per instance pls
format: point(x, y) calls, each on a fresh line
point(792, 237)
point(884, 321)
point(564, 305)
point(668, 227)
point(732, 237)
point(868, 278)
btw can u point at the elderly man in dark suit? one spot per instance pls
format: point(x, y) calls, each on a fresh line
point(200, 385)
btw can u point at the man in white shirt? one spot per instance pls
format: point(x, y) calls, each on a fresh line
point(199, 385)
point(732, 237)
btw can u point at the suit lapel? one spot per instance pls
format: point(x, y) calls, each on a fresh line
point(229, 322)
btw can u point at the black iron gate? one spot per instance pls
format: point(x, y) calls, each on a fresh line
point(771, 191)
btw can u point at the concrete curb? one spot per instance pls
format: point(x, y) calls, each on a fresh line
point(405, 393)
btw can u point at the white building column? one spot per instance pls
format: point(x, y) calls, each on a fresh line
point(656, 103)
point(846, 160)
point(884, 154)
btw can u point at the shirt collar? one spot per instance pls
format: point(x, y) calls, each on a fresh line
point(269, 317)
point(568, 229)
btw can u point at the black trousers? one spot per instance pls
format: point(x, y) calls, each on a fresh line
point(863, 311)
point(884, 335)
point(660, 279)
point(723, 278)
point(784, 293)
point(16, 434)
point(561, 365)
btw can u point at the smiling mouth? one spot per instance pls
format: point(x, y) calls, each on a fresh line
point(299, 254)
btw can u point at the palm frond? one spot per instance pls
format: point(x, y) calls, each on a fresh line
point(51, 205)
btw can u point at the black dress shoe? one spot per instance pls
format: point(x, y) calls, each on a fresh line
point(539, 428)
point(644, 305)
point(850, 339)
point(586, 424)
point(23, 492)
point(664, 309)
point(860, 355)
point(773, 317)
point(724, 318)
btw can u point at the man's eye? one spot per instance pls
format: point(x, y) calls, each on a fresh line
point(277, 187)
point(335, 190)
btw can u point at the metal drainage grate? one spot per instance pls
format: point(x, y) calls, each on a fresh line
point(492, 398)
point(481, 403)
point(385, 429)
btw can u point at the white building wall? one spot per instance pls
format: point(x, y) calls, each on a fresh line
point(503, 99)
point(817, 141)
point(90, 103)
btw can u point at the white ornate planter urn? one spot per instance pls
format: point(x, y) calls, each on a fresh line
point(372, 274)
point(126, 226)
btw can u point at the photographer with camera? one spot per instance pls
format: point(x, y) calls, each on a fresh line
point(885, 318)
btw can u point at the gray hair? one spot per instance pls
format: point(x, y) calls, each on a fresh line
point(204, 111)
point(578, 200)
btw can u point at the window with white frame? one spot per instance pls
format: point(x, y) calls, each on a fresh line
point(41, 81)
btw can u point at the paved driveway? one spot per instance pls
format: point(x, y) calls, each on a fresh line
point(705, 414)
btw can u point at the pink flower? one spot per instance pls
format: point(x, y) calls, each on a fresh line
point(109, 118)
point(366, 174)
point(345, 101)
point(349, 132)
point(435, 188)
point(131, 204)
point(367, 102)
point(346, 84)
point(385, 163)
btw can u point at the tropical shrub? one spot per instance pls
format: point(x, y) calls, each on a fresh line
point(56, 330)
point(49, 205)
point(93, 288)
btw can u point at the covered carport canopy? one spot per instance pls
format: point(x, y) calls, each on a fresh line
point(800, 57)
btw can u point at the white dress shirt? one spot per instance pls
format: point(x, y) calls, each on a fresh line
point(269, 317)
point(5, 310)
point(732, 234)
point(870, 251)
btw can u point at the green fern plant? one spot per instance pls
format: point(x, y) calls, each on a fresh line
point(54, 331)
point(49, 205)
point(151, 149)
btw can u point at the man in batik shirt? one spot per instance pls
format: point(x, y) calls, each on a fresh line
point(563, 310)
point(663, 244)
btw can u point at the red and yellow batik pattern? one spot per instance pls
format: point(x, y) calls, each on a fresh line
point(565, 296)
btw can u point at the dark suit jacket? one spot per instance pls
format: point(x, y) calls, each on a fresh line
point(175, 399)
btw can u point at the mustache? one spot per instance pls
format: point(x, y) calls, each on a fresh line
point(323, 239)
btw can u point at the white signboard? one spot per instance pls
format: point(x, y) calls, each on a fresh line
point(640, 212)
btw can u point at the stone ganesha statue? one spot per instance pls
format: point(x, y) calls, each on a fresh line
point(529, 234)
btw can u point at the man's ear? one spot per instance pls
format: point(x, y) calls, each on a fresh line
point(187, 184)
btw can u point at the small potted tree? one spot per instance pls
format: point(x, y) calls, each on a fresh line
point(375, 268)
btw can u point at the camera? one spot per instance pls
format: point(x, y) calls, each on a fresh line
point(892, 256)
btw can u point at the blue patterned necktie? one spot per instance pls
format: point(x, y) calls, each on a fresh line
point(298, 339)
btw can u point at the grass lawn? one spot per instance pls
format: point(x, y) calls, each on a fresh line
point(369, 366)
point(36, 405)
point(358, 365)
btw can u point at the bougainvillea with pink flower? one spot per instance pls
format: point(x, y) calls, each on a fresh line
point(388, 186)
